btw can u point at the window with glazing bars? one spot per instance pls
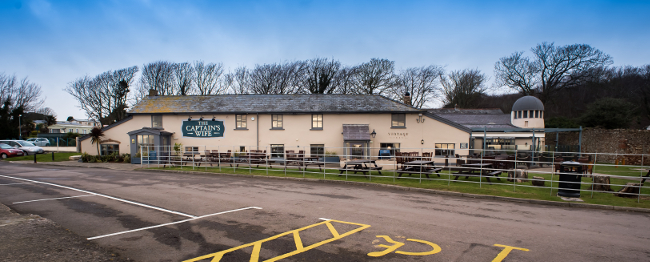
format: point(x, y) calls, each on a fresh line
point(317, 121)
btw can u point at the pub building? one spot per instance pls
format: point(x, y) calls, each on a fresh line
point(350, 126)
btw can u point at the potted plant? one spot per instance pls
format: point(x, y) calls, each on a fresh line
point(331, 157)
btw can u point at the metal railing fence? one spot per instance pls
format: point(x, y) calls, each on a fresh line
point(542, 169)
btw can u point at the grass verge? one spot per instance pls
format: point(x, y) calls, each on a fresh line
point(472, 185)
point(47, 157)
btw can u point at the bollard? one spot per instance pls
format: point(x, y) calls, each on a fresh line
point(52, 156)
point(34, 158)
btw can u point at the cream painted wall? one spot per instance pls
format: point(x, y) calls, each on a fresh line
point(297, 132)
point(118, 133)
point(532, 122)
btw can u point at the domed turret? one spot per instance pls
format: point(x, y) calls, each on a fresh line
point(528, 112)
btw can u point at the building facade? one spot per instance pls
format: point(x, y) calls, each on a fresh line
point(351, 126)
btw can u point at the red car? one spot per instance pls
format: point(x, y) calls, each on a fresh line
point(8, 151)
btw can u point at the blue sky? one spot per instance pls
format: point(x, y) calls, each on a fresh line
point(55, 42)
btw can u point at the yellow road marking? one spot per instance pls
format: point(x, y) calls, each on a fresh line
point(435, 249)
point(388, 249)
point(257, 245)
point(504, 253)
point(397, 245)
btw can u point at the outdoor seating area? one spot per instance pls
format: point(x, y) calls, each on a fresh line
point(546, 169)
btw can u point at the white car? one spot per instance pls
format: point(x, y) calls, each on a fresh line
point(40, 141)
point(27, 147)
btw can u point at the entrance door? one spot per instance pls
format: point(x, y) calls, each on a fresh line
point(356, 149)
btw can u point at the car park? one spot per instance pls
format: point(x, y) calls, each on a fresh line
point(27, 147)
point(6, 151)
point(39, 141)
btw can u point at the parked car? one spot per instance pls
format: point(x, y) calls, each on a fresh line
point(39, 141)
point(7, 151)
point(27, 147)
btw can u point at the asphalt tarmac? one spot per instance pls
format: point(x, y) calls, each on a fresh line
point(158, 216)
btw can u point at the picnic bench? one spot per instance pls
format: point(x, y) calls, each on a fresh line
point(422, 167)
point(360, 166)
point(484, 170)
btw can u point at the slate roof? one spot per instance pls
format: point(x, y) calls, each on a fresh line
point(490, 119)
point(270, 104)
point(356, 132)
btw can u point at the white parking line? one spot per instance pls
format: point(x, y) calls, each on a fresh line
point(172, 223)
point(102, 195)
point(12, 184)
point(45, 199)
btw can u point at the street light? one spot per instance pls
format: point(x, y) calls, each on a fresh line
point(20, 130)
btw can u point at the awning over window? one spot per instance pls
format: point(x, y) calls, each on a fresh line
point(356, 132)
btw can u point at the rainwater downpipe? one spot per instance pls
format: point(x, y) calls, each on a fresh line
point(257, 126)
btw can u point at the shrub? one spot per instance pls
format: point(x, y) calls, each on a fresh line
point(126, 158)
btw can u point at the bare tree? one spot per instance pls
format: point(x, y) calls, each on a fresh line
point(517, 72)
point(158, 76)
point(183, 76)
point(319, 75)
point(104, 96)
point(552, 68)
point(20, 93)
point(238, 82)
point(375, 77)
point(344, 81)
point(276, 78)
point(207, 78)
point(463, 88)
point(420, 82)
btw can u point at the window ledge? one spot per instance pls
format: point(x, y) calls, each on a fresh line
point(276, 128)
point(240, 129)
point(397, 127)
point(316, 129)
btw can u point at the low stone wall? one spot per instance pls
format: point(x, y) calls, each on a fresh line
point(59, 149)
point(619, 144)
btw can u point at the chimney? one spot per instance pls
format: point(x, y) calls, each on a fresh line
point(153, 92)
point(407, 98)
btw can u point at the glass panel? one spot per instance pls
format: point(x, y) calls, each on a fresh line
point(317, 150)
point(526, 114)
point(316, 121)
point(277, 121)
point(241, 121)
point(398, 120)
point(156, 120)
point(388, 149)
point(357, 149)
point(445, 149)
point(277, 150)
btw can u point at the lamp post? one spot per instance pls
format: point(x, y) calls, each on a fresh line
point(20, 129)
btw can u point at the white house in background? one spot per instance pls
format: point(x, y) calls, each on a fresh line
point(80, 126)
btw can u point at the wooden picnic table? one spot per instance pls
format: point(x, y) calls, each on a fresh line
point(419, 167)
point(483, 169)
point(303, 162)
point(360, 166)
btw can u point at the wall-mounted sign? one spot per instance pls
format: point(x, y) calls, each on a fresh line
point(203, 128)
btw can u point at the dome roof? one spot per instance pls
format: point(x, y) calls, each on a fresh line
point(528, 103)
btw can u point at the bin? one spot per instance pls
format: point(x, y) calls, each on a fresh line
point(570, 179)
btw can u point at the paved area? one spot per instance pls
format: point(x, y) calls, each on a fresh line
point(34, 238)
point(150, 216)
